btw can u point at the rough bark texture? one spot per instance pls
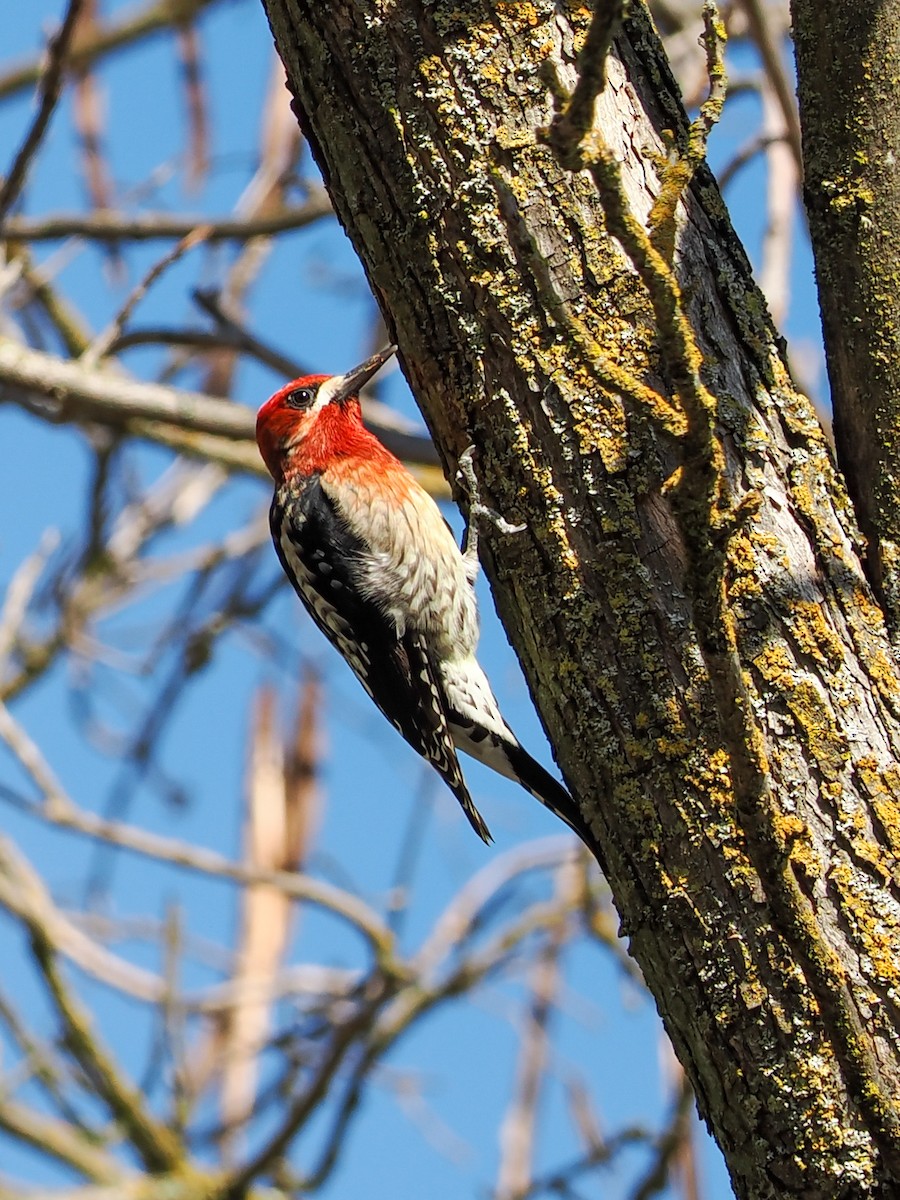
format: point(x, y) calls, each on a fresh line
point(848, 58)
point(723, 701)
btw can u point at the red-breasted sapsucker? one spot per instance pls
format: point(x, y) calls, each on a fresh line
point(379, 571)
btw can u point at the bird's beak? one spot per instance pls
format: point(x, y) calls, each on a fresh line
point(349, 385)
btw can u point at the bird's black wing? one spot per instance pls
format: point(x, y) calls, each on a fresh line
point(320, 554)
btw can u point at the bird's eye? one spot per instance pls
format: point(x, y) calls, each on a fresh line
point(300, 397)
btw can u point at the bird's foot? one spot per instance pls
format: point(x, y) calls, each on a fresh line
point(478, 512)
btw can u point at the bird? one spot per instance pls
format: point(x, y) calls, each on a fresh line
point(377, 567)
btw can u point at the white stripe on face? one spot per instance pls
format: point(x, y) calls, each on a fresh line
point(327, 392)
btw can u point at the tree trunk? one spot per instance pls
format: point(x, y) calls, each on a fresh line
point(847, 67)
point(687, 599)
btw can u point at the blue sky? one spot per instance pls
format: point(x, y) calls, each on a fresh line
point(310, 300)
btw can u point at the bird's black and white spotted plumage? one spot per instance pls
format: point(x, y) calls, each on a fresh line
point(321, 556)
point(377, 567)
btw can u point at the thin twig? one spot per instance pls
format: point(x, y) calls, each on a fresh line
point(678, 174)
point(156, 1145)
point(60, 1140)
point(100, 347)
point(19, 592)
point(773, 61)
point(57, 809)
point(578, 119)
point(50, 87)
point(129, 28)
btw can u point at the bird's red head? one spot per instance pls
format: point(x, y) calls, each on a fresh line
point(316, 417)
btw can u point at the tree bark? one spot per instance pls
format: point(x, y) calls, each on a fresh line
point(848, 57)
point(687, 599)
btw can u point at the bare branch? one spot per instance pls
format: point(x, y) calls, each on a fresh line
point(773, 60)
point(67, 391)
point(518, 1130)
point(144, 227)
point(100, 347)
point(155, 17)
point(61, 1141)
point(155, 1144)
point(59, 810)
point(50, 87)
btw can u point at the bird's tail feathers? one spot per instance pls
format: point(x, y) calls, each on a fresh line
point(549, 791)
point(474, 816)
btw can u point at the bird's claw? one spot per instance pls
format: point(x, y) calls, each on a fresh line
point(477, 510)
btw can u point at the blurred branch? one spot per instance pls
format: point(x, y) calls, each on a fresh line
point(745, 155)
point(561, 1182)
point(112, 569)
point(87, 117)
point(100, 346)
point(69, 324)
point(770, 51)
point(182, 1185)
point(518, 1130)
point(277, 835)
point(50, 85)
point(198, 145)
point(19, 592)
point(465, 911)
point(343, 1037)
point(223, 451)
point(59, 1139)
point(155, 1144)
point(116, 226)
point(66, 391)
point(782, 191)
point(23, 893)
point(62, 391)
point(668, 1146)
point(159, 16)
point(57, 809)
point(42, 1064)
